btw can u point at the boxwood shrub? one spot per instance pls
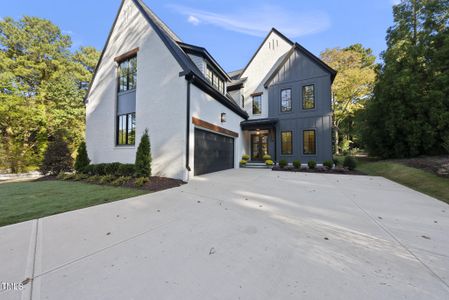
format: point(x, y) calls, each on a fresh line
point(297, 164)
point(349, 163)
point(311, 164)
point(126, 170)
point(283, 163)
point(328, 164)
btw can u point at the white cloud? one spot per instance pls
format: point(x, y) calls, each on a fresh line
point(396, 2)
point(258, 21)
point(193, 20)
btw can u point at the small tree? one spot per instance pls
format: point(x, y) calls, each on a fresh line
point(82, 159)
point(143, 156)
point(57, 157)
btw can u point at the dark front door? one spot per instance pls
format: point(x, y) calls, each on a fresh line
point(213, 152)
point(259, 146)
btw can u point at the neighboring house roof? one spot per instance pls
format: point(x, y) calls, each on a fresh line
point(197, 50)
point(190, 70)
point(284, 59)
point(235, 74)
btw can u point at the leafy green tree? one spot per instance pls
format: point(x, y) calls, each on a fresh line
point(42, 87)
point(82, 159)
point(57, 157)
point(143, 156)
point(409, 112)
point(351, 89)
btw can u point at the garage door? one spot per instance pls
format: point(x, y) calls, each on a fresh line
point(213, 152)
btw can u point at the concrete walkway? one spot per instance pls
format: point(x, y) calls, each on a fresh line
point(240, 234)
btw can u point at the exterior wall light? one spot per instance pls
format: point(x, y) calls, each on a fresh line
point(223, 117)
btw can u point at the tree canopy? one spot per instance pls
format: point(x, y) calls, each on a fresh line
point(409, 112)
point(42, 87)
point(352, 87)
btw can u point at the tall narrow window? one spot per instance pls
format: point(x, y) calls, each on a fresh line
point(243, 101)
point(308, 97)
point(215, 80)
point(286, 100)
point(286, 143)
point(128, 74)
point(257, 105)
point(309, 142)
point(126, 129)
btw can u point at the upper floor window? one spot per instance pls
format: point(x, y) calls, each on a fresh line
point(257, 105)
point(286, 100)
point(126, 129)
point(128, 74)
point(308, 96)
point(309, 140)
point(216, 80)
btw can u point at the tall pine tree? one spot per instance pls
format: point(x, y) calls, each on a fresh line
point(408, 114)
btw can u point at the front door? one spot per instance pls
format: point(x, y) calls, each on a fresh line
point(259, 146)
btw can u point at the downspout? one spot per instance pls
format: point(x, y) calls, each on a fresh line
point(189, 82)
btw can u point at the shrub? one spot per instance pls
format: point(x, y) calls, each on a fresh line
point(82, 159)
point(88, 170)
point(80, 176)
point(245, 157)
point(121, 180)
point(106, 179)
point(99, 170)
point(143, 157)
point(57, 157)
point(139, 182)
point(336, 162)
point(297, 164)
point(266, 157)
point(349, 163)
point(311, 164)
point(69, 176)
point(61, 176)
point(112, 168)
point(269, 162)
point(93, 179)
point(243, 162)
point(127, 170)
point(328, 164)
point(283, 163)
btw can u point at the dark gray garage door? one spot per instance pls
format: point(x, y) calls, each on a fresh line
point(213, 152)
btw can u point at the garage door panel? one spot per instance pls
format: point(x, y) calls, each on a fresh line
point(213, 152)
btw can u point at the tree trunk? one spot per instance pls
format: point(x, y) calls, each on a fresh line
point(336, 137)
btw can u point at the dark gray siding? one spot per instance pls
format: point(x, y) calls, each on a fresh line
point(297, 72)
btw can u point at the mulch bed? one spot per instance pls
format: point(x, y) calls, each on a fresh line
point(155, 184)
point(319, 170)
point(438, 165)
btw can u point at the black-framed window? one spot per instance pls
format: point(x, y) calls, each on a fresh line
point(126, 129)
point(308, 96)
point(309, 142)
point(286, 100)
point(215, 80)
point(286, 143)
point(128, 74)
point(257, 105)
point(243, 101)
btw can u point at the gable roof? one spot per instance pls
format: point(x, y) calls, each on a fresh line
point(169, 38)
point(197, 50)
point(298, 47)
point(273, 30)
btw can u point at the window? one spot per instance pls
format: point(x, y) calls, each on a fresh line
point(286, 100)
point(257, 105)
point(215, 80)
point(308, 97)
point(286, 143)
point(309, 142)
point(128, 74)
point(243, 101)
point(126, 129)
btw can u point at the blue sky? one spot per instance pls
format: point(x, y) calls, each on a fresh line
point(231, 30)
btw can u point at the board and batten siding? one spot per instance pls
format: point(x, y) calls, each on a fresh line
point(298, 71)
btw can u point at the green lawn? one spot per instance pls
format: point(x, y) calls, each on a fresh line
point(29, 200)
point(416, 179)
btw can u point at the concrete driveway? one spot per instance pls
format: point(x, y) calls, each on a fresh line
point(240, 234)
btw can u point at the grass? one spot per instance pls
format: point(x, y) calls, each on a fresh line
point(25, 201)
point(417, 179)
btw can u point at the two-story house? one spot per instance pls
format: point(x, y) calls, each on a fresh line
point(202, 119)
